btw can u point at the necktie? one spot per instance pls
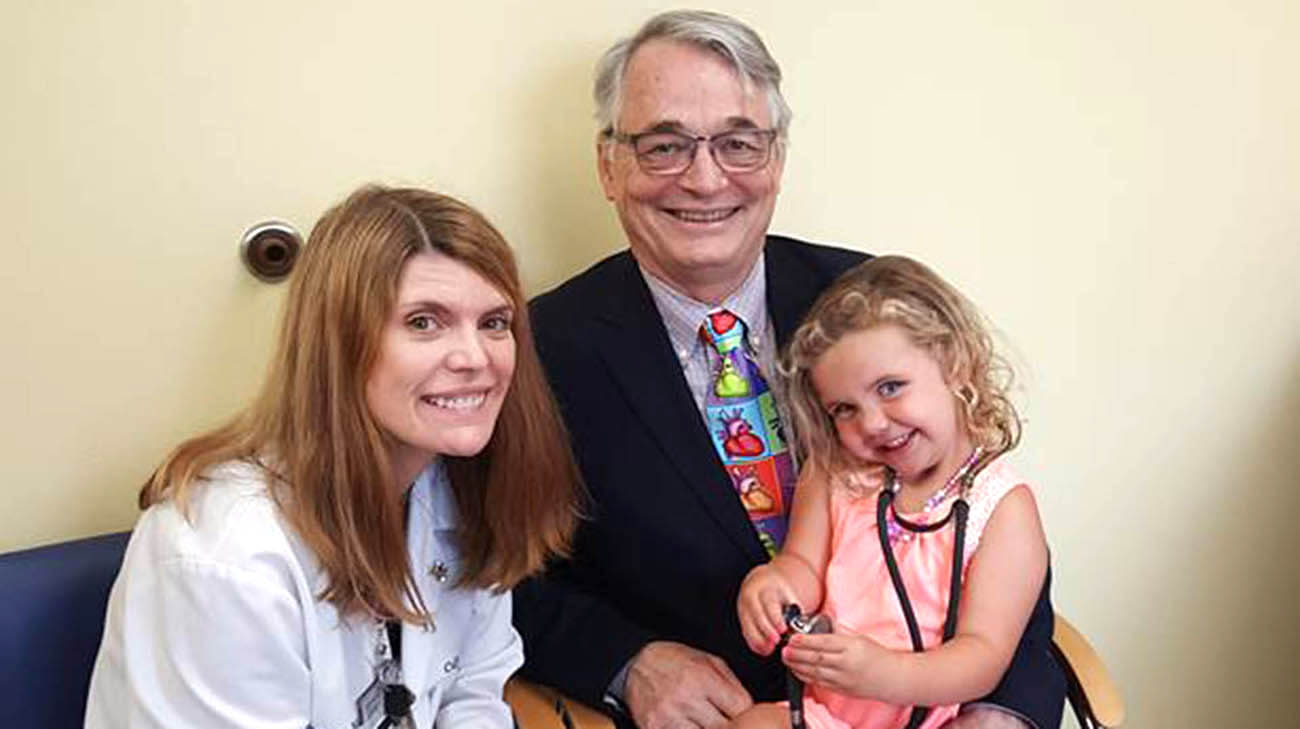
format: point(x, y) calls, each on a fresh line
point(746, 429)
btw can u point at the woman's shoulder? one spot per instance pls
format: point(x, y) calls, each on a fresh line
point(229, 522)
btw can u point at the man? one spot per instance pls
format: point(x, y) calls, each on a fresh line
point(643, 617)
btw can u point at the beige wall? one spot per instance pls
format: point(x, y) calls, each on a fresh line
point(1116, 183)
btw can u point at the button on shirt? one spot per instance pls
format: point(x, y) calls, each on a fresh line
point(683, 315)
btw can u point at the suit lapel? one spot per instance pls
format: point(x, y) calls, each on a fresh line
point(641, 360)
point(791, 293)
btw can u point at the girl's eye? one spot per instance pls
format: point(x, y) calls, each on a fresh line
point(890, 388)
point(840, 411)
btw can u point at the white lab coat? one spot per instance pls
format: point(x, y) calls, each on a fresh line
point(216, 623)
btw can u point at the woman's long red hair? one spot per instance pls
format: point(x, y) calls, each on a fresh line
point(325, 457)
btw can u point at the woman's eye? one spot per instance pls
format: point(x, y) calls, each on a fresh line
point(889, 388)
point(497, 323)
point(422, 323)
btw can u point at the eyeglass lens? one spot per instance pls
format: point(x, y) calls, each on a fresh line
point(670, 152)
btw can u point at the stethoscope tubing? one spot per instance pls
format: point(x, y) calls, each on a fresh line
point(959, 513)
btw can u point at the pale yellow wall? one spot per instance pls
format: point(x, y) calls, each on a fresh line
point(1116, 183)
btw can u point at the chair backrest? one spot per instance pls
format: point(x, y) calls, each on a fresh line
point(51, 620)
point(1094, 696)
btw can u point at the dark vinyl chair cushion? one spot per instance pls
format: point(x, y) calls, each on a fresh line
point(52, 602)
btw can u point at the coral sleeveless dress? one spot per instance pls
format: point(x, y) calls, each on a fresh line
point(861, 600)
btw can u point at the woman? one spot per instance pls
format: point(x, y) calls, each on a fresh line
point(340, 554)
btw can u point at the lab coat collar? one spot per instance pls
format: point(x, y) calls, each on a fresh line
point(431, 494)
point(433, 515)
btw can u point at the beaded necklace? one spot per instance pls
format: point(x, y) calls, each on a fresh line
point(899, 535)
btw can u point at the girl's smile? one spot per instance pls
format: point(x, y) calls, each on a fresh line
point(891, 405)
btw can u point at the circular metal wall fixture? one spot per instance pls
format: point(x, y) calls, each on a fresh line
point(269, 250)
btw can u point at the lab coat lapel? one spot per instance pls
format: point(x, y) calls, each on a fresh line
point(430, 528)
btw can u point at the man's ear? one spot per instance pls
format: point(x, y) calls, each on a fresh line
point(778, 165)
point(605, 168)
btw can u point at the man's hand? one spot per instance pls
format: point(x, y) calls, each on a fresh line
point(672, 686)
point(985, 718)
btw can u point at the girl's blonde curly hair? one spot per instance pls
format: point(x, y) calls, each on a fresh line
point(936, 317)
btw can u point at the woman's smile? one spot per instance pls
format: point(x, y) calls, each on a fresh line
point(447, 355)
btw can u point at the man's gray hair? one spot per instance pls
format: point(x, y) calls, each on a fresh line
point(729, 38)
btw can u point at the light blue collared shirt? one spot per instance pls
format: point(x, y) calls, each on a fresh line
point(682, 317)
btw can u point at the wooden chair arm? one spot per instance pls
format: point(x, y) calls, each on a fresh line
point(1098, 687)
point(542, 707)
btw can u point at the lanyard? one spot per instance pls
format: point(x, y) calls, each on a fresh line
point(961, 511)
point(397, 697)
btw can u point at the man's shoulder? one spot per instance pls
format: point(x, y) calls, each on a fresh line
point(783, 250)
point(579, 292)
point(569, 320)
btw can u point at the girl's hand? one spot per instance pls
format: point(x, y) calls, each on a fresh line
point(846, 664)
point(763, 594)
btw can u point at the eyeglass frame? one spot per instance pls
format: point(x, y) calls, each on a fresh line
point(773, 137)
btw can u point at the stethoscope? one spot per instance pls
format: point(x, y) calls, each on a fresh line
point(959, 513)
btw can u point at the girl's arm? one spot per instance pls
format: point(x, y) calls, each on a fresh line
point(999, 593)
point(795, 574)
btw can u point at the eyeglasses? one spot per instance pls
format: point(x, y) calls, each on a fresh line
point(671, 153)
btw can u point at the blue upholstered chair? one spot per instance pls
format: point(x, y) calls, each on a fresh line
point(52, 603)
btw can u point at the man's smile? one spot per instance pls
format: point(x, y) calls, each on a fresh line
point(703, 216)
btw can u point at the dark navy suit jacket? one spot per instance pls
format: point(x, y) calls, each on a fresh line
point(666, 542)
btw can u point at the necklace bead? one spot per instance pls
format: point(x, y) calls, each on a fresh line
point(900, 535)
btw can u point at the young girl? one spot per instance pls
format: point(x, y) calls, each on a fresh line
point(902, 417)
